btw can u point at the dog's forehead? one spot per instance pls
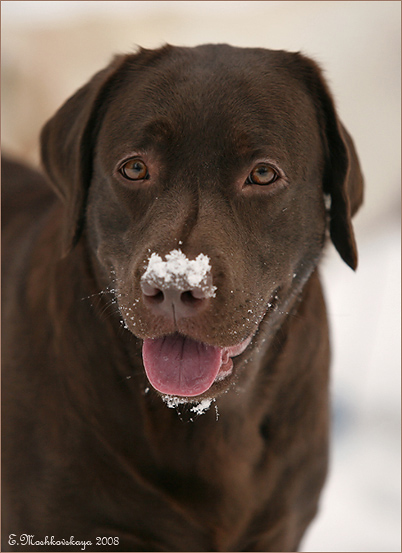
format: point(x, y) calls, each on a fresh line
point(222, 95)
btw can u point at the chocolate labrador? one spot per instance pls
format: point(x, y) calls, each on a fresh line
point(165, 343)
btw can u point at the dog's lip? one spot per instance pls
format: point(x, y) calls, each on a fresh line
point(227, 354)
point(234, 351)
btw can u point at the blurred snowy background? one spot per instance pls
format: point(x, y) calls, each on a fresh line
point(50, 48)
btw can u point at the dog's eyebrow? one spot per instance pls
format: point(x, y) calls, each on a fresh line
point(256, 144)
point(157, 130)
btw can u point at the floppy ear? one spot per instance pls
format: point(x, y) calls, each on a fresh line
point(343, 180)
point(67, 142)
point(344, 183)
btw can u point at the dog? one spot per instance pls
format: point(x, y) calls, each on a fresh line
point(165, 339)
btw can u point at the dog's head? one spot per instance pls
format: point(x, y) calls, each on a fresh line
point(200, 178)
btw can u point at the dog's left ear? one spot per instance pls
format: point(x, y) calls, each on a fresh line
point(343, 179)
point(67, 141)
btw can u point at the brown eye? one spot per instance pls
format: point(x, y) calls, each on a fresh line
point(262, 174)
point(134, 169)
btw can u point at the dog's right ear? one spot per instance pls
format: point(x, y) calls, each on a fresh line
point(67, 142)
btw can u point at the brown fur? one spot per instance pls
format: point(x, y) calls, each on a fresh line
point(88, 450)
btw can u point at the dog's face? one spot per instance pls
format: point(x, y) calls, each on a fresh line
point(212, 150)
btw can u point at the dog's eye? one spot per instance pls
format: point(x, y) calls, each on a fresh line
point(134, 169)
point(262, 174)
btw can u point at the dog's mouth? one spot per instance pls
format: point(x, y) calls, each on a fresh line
point(177, 365)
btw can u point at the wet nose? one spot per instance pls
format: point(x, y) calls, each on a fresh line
point(174, 302)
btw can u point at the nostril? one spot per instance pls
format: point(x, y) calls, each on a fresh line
point(151, 293)
point(158, 297)
point(189, 299)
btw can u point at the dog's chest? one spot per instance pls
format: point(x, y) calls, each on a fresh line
point(211, 472)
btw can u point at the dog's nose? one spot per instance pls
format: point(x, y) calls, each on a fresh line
point(173, 302)
point(178, 287)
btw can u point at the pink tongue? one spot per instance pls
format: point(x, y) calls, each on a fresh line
point(180, 366)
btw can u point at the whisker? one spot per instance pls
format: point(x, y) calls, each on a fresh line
point(100, 293)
